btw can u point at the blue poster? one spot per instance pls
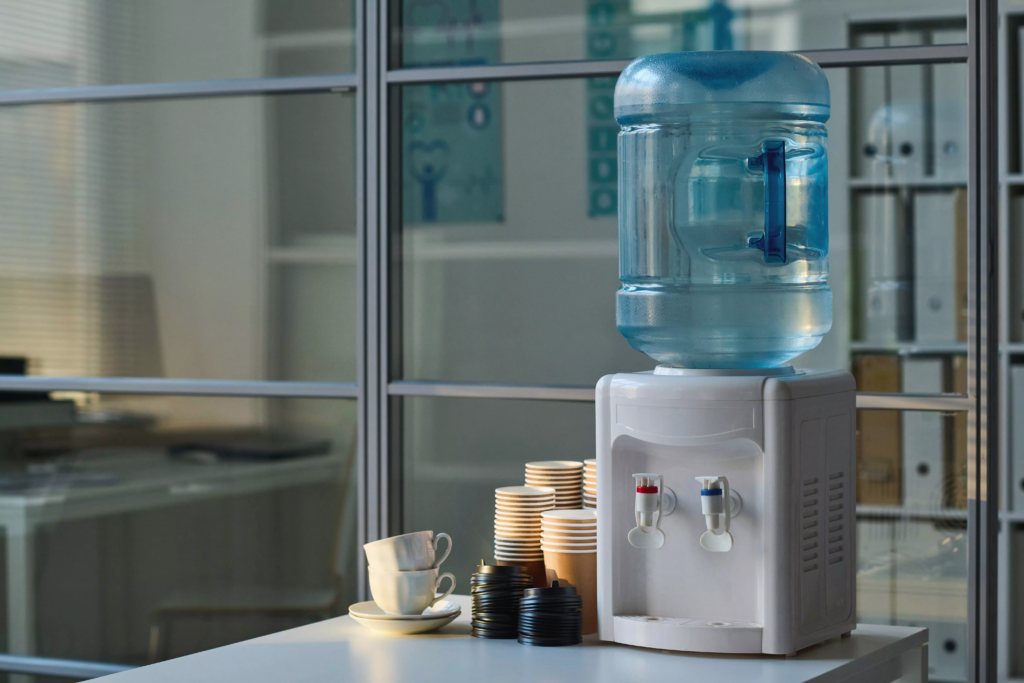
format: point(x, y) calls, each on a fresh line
point(451, 133)
point(608, 37)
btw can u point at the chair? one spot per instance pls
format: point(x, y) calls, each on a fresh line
point(276, 601)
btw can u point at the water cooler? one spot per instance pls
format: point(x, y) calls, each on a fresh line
point(725, 476)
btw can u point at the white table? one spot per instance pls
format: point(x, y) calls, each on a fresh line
point(147, 480)
point(342, 650)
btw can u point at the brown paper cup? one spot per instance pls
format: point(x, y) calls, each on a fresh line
point(579, 570)
point(534, 568)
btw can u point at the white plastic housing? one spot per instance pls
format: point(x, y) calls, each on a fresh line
point(786, 445)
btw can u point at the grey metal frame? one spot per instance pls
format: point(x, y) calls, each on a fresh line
point(379, 388)
point(983, 340)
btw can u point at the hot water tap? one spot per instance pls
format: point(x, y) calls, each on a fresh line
point(654, 500)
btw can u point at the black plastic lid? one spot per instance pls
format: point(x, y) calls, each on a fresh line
point(554, 591)
point(506, 570)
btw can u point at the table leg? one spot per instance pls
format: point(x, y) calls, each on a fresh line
point(914, 665)
point(21, 607)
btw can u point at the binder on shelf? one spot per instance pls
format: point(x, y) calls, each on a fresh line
point(955, 470)
point(1016, 276)
point(872, 136)
point(935, 260)
point(878, 433)
point(883, 268)
point(1017, 435)
point(923, 438)
point(949, 87)
point(908, 109)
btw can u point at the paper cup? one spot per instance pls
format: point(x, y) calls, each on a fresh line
point(505, 546)
point(532, 507)
point(560, 476)
point(515, 533)
point(558, 545)
point(546, 465)
point(577, 569)
point(533, 553)
point(514, 518)
point(534, 568)
point(569, 517)
point(561, 534)
point(518, 492)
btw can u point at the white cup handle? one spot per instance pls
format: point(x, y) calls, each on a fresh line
point(437, 563)
point(437, 584)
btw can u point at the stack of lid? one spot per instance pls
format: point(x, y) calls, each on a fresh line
point(590, 484)
point(569, 541)
point(517, 511)
point(496, 592)
point(564, 476)
point(550, 616)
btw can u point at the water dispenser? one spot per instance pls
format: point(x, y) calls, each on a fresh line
point(726, 496)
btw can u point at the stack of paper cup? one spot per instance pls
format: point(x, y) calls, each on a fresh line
point(569, 541)
point(590, 484)
point(564, 476)
point(517, 527)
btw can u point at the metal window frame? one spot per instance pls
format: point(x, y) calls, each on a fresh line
point(378, 391)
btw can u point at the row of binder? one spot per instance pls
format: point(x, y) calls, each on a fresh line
point(910, 121)
point(911, 266)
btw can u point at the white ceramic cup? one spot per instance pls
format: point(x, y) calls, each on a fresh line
point(408, 552)
point(408, 592)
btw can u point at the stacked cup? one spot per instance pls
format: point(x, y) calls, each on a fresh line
point(404, 572)
point(569, 542)
point(517, 511)
point(590, 484)
point(564, 476)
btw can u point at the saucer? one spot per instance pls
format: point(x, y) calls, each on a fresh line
point(370, 610)
point(374, 618)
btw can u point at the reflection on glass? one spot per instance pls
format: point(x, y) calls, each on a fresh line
point(912, 521)
point(484, 31)
point(161, 526)
point(55, 43)
point(509, 239)
point(509, 224)
point(455, 452)
point(161, 239)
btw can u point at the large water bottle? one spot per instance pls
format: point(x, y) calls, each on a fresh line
point(723, 208)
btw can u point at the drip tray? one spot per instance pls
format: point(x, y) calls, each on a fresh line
point(690, 635)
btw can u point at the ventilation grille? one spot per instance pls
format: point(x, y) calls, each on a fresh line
point(836, 517)
point(810, 524)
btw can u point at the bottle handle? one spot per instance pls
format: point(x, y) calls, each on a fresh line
point(772, 161)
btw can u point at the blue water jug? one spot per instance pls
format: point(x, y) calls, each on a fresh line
point(723, 208)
